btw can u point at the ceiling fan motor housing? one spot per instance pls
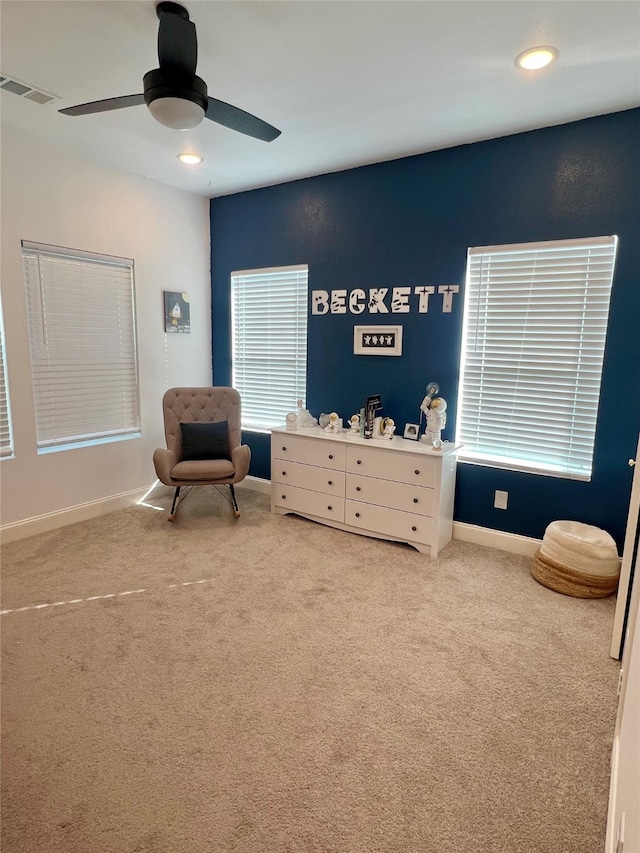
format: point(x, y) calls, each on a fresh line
point(176, 100)
point(163, 84)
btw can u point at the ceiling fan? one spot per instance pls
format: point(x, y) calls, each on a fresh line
point(175, 95)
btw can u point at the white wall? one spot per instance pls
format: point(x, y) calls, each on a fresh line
point(49, 197)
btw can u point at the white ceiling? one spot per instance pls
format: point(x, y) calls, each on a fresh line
point(348, 82)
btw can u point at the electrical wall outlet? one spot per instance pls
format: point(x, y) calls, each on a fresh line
point(500, 500)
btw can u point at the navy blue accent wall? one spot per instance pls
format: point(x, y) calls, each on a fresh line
point(409, 222)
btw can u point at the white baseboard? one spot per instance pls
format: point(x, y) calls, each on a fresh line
point(256, 484)
point(609, 844)
point(70, 515)
point(511, 542)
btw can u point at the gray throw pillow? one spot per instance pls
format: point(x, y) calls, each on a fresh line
point(205, 441)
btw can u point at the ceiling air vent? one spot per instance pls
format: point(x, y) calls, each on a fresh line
point(23, 90)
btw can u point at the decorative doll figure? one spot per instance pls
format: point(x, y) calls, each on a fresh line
point(388, 427)
point(334, 423)
point(354, 424)
point(436, 422)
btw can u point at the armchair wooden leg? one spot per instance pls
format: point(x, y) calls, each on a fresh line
point(236, 511)
point(177, 500)
point(174, 505)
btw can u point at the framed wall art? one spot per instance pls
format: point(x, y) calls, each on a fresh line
point(377, 340)
point(177, 312)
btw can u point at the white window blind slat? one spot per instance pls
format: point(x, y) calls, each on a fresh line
point(533, 345)
point(81, 317)
point(269, 342)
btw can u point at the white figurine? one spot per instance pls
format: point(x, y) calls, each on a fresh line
point(334, 423)
point(354, 424)
point(304, 418)
point(436, 422)
point(388, 427)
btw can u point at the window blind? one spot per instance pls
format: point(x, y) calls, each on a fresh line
point(533, 344)
point(6, 437)
point(269, 342)
point(80, 310)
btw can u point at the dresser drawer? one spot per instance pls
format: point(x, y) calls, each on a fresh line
point(393, 522)
point(404, 496)
point(387, 465)
point(311, 503)
point(320, 452)
point(308, 477)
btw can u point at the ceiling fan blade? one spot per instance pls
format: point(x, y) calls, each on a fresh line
point(241, 121)
point(104, 106)
point(177, 40)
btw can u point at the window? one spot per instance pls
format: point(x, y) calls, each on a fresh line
point(533, 342)
point(80, 309)
point(269, 342)
point(6, 437)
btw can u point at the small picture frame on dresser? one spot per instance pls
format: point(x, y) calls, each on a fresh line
point(411, 431)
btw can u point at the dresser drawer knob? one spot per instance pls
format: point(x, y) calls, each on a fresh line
point(415, 500)
point(284, 473)
point(284, 497)
point(414, 529)
point(284, 448)
point(329, 508)
point(329, 482)
point(357, 515)
point(359, 461)
point(417, 471)
point(358, 489)
point(331, 456)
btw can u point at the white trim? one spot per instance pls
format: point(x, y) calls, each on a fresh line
point(256, 484)
point(511, 542)
point(514, 543)
point(273, 270)
point(613, 794)
point(628, 550)
point(546, 245)
point(61, 518)
point(75, 254)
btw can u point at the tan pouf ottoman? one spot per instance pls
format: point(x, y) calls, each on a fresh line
point(577, 559)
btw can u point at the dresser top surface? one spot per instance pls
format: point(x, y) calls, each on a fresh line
point(397, 443)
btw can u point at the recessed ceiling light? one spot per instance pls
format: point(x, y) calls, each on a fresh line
point(536, 58)
point(190, 159)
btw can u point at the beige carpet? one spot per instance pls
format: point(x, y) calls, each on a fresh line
point(268, 685)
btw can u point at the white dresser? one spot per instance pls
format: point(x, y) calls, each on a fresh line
point(391, 489)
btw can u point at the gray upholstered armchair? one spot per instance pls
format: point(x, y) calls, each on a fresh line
point(202, 429)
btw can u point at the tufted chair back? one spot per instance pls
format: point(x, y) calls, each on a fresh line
point(200, 405)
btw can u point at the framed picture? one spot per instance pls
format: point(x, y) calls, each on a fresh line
point(411, 431)
point(377, 340)
point(177, 312)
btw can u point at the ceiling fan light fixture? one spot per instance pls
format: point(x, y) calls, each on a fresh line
point(190, 159)
point(536, 58)
point(176, 113)
point(176, 97)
